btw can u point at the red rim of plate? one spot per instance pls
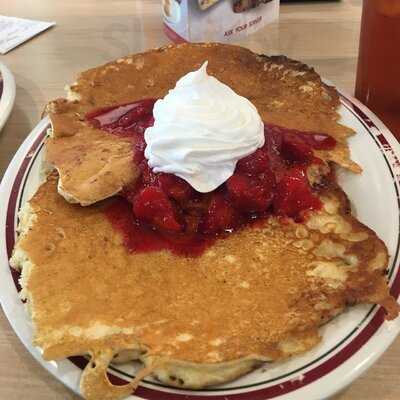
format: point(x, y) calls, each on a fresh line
point(285, 387)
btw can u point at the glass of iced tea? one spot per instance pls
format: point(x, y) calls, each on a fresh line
point(378, 72)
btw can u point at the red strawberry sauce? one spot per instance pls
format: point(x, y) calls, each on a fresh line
point(162, 211)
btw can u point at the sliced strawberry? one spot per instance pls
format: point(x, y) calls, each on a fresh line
point(122, 119)
point(192, 223)
point(149, 177)
point(316, 140)
point(144, 123)
point(137, 112)
point(153, 206)
point(294, 195)
point(175, 187)
point(139, 147)
point(295, 150)
point(193, 211)
point(254, 163)
point(220, 216)
point(251, 194)
point(238, 186)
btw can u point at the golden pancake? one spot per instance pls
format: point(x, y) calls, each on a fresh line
point(259, 294)
point(94, 165)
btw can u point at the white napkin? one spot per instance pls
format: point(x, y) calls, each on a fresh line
point(14, 31)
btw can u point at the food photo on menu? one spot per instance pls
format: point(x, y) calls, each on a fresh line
point(217, 20)
point(204, 217)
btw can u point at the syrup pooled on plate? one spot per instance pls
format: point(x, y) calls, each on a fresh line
point(162, 211)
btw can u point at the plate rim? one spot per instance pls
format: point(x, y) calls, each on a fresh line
point(310, 389)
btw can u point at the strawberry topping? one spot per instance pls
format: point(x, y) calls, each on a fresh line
point(271, 181)
point(294, 195)
point(220, 216)
point(152, 205)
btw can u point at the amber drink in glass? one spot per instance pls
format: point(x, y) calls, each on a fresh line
point(378, 72)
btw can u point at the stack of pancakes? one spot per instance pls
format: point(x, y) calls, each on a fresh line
point(258, 295)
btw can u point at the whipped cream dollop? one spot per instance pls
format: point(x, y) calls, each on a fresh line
point(201, 129)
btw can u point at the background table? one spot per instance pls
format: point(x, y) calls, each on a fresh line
point(91, 32)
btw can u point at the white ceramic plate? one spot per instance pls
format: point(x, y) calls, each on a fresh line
point(172, 11)
point(351, 342)
point(7, 94)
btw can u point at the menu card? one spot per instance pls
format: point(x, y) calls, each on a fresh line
point(14, 31)
point(216, 20)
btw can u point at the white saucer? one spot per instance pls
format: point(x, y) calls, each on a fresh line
point(7, 96)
